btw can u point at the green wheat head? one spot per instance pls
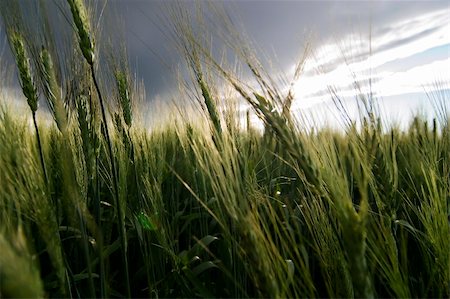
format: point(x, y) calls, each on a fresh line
point(23, 65)
point(124, 96)
point(52, 90)
point(80, 19)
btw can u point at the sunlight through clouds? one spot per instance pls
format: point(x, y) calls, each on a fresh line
point(415, 79)
point(347, 61)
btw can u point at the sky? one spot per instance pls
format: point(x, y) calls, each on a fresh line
point(401, 47)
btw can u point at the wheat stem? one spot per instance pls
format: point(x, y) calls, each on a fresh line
point(121, 215)
point(41, 155)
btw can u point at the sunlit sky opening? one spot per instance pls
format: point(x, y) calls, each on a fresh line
point(408, 60)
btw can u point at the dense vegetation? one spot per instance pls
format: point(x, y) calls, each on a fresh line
point(98, 206)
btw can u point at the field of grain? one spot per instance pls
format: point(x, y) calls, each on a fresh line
point(97, 205)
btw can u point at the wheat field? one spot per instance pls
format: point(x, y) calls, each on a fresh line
point(94, 204)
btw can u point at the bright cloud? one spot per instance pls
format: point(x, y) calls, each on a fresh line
point(339, 65)
point(415, 79)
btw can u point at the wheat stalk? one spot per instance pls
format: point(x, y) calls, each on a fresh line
point(79, 15)
point(27, 84)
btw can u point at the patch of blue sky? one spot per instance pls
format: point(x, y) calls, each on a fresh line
point(425, 57)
